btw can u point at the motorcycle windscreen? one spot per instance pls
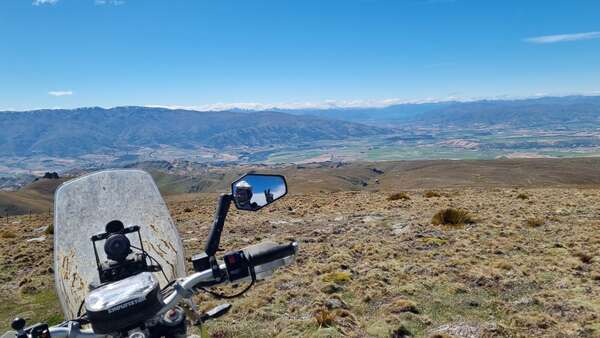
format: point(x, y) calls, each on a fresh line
point(83, 207)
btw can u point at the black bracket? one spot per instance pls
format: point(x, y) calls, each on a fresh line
point(214, 236)
point(203, 261)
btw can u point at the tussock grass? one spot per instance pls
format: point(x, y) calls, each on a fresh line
point(8, 234)
point(431, 194)
point(535, 222)
point(584, 257)
point(402, 305)
point(523, 196)
point(451, 216)
point(324, 318)
point(398, 196)
point(338, 277)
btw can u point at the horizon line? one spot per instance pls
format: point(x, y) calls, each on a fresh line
point(323, 105)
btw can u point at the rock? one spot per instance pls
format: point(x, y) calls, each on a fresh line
point(28, 290)
point(399, 228)
point(331, 288)
point(334, 304)
point(37, 239)
point(41, 229)
point(51, 176)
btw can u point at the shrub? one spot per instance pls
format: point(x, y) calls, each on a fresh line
point(522, 196)
point(430, 194)
point(535, 222)
point(50, 229)
point(398, 196)
point(452, 216)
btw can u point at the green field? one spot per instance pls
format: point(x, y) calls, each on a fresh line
point(559, 144)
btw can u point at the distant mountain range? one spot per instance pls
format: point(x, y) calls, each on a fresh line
point(538, 112)
point(96, 130)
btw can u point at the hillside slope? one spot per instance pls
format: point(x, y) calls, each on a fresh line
point(97, 130)
point(36, 197)
point(185, 177)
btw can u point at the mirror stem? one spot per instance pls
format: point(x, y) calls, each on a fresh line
point(214, 236)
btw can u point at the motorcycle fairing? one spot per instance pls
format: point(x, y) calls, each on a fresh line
point(84, 205)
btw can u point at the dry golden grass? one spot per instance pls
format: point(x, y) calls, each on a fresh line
point(398, 196)
point(451, 216)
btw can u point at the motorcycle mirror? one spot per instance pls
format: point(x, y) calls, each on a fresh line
point(254, 191)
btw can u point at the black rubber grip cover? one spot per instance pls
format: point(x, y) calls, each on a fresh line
point(273, 253)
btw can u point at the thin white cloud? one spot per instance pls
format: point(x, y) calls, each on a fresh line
point(563, 37)
point(44, 2)
point(341, 104)
point(60, 93)
point(109, 2)
point(329, 104)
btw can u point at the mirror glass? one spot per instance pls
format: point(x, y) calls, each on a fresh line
point(254, 191)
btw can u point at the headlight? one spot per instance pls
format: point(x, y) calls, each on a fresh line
point(124, 303)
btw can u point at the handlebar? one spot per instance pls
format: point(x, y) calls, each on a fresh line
point(257, 255)
point(266, 256)
point(261, 256)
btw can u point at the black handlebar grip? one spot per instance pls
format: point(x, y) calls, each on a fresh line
point(272, 253)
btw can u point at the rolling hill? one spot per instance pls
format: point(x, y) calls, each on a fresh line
point(547, 112)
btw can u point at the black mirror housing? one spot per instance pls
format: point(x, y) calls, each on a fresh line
point(252, 192)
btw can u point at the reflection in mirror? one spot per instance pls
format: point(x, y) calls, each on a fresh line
point(255, 191)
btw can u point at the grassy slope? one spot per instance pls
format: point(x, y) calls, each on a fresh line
point(372, 267)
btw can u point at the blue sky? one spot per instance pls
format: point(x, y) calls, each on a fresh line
point(71, 53)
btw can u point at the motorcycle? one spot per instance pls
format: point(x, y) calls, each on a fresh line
point(138, 286)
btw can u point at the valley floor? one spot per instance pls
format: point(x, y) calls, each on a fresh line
point(370, 266)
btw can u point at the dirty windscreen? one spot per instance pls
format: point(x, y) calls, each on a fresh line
point(85, 205)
